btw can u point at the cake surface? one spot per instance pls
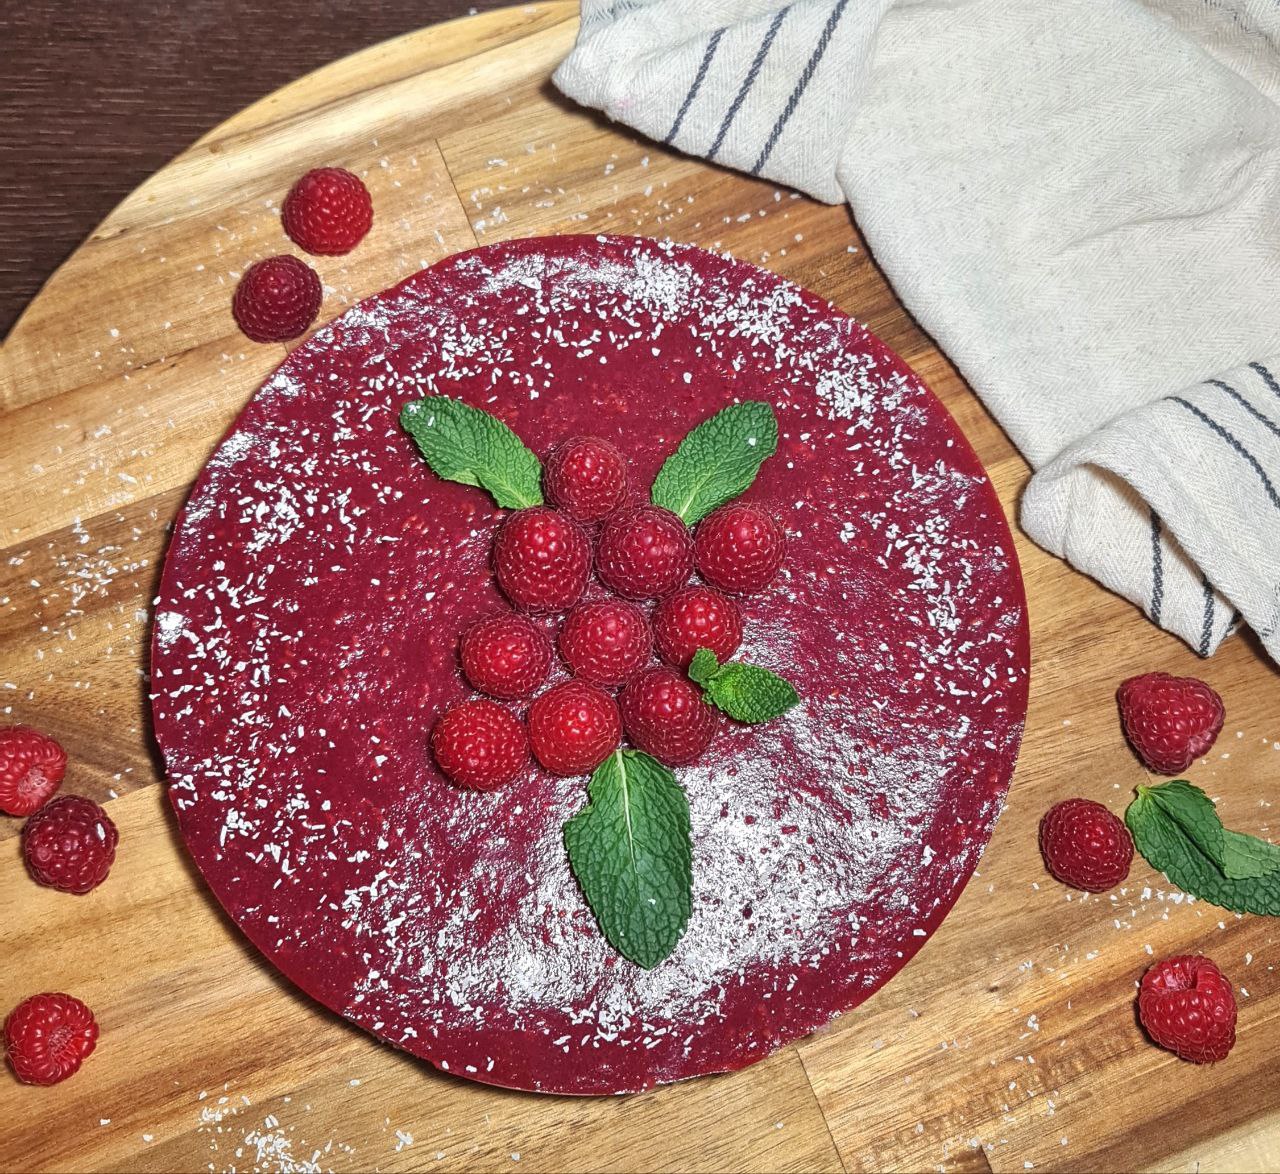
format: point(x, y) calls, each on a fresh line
point(306, 638)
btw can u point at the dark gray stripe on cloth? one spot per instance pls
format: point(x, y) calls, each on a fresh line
point(1267, 377)
point(1157, 569)
point(1217, 428)
point(1261, 417)
point(699, 78)
point(749, 80)
point(814, 58)
point(1206, 632)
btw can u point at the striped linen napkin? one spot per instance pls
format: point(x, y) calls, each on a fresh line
point(1080, 201)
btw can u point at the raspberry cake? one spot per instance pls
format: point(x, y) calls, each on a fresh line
point(307, 640)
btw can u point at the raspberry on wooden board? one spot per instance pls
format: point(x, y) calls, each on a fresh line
point(1169, 721)
point(31, 768)
point(48, 1036)
point(327, 212)
point(70, 844)
point(1085, 845)
point(1186, 1004)
point(277, 299)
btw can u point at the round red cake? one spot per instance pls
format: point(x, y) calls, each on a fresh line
point(306, 639)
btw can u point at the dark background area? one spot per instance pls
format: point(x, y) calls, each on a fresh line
point(95, 95)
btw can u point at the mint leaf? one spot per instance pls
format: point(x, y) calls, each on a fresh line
point(1193, 811)
point(1239, 857)
point(631, 852)
point(703, 666)
point(717, 461)
point(1244, 857)
point(746, 692)
point(465, 444)
point(1166, 845)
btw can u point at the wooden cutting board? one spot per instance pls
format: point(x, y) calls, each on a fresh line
point(1009, 1043)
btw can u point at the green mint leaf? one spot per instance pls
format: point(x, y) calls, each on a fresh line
point(465, 444)
point(1245, 857)
point(717, 461)
point(631, 852)
point(703, 667)
point(748, 693)
point(1193, 811)
point(1165, 844)
point(1239, 857)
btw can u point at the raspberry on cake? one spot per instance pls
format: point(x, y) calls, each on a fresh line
point(327, 212)
point(1169, 721)
point(1085, 845)
point(574, 727)
point(277, 299)
point(48, 1036)
point(480, 745)
point(664, 715)
point(31, 768)
point(542, 559)
point(1186, 1004)
point(70, 844)
point(505, 655)
point(605, 642)
point(739, 548)
point(586, 477)
point(696, 617)
point(644, 552)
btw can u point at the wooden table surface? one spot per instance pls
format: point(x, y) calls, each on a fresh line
point(1008, 1043)
point(97, 95)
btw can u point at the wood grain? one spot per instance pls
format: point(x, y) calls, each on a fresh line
point(1010, 1040)
point(96, 96)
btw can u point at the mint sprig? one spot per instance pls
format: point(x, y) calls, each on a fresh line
point(631, 851)
point(1176, 827)
point(746, 692)
point(467, 445)
point(717, 461)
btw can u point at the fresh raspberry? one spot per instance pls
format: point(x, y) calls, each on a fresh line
point(739, 548)
point(542, 559)
point(505, 655)
point(586, 477)
point(277, 299)
point(606, 642)
point(480, 745)
point(1187, 1005)
point(70, 844)
point(644, 552)
point(665, 715)
point(328, 211)
point(1085, 846)
point(574, 727)
point(1169, 721)
point(693, 618)
point(48, 1036)
point(31, 768)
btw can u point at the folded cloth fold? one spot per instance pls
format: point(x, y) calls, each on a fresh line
point(1080, 201)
